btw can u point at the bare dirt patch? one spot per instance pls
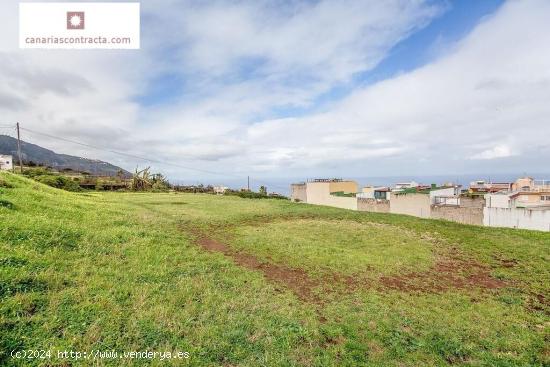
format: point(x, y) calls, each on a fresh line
point(538, 302)
point(449, 272)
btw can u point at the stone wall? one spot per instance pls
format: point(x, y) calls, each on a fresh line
point(373, 205)
point(472, 202)
point(460, 214)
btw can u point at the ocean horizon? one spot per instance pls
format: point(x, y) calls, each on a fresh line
point(281, 185)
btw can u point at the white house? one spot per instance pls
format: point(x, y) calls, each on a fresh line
point(445, 196)
point(507, 210)
point(499, 200)
point(405, 185)
point(6, 162)
point(220, 190)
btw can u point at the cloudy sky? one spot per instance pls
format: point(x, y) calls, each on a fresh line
point(299, 88)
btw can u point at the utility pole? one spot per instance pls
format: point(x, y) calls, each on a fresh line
point(19, 148)
point(248, 184)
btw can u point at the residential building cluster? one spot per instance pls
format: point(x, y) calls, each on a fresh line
point(524, 203)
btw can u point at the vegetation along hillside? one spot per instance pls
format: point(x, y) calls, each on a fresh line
point(32, 153)
point(246, 282)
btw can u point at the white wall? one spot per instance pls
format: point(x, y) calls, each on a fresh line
point(517, 218)
point(497, 201)
point(6, 162)
point(448, 191)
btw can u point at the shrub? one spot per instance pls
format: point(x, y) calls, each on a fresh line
point(57, 181)
point(254, 195)
point(5, 184)
point(6, 204)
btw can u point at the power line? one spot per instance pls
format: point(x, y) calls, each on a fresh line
point(140, 157)
point(126, 154)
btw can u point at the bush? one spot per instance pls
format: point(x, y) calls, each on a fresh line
point(57, 181)
point(5, 184)
point(47, 177)
point(32, 173)
point(6, 204)
point(254, 195)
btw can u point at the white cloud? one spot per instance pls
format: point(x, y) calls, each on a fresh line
point(487, 97)
point(237, 60)
point(499, 151)
point(493, 86)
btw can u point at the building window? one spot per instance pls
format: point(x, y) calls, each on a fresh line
point(545, 198)
point(380, 195)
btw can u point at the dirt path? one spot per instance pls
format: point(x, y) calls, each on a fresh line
point(297, 280)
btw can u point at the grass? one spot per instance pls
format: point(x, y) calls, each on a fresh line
point(343, 246)
point(121, 271)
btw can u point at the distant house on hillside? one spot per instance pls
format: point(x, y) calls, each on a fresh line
point(489, 187)
point(405, 185)
point(6, 162)
point(220, 190)
point(524, 184)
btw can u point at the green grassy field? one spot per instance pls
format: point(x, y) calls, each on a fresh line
point(248, 282)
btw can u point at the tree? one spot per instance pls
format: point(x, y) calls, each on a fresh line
point(263, 190)
point(141, 180)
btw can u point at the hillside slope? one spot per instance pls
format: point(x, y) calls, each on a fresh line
point(243, 282)
point(37, 154)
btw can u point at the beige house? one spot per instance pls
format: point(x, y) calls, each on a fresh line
point(529, 184)
point(530, 198)
point(331, 192)
point(523, 184)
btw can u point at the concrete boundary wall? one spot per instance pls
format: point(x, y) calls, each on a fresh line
point(373, 205)
point(517, 218)
point(418, 205)
point(298, 192)
point(464, 215)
